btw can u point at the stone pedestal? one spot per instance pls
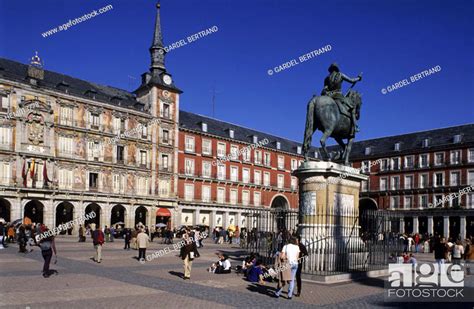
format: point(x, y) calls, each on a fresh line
point(328, 216)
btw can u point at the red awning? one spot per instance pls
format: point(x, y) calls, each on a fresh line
point(163, 212)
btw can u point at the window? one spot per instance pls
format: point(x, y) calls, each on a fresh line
point(280, 181)
point(267, 159)
point(470, 178)
point(423, 201)
point(423, 181)
point(278, 145)
point(207, 147)
point(408, 202)
point(66, 145)
point(95, 121)
point(294, 183)
point(298, 149)
point(66, 116)
point(424, 160)
point(255, 139)
point(234, 173)
point(206, 169)
point(365, 166)
point(245, 175)
point(395, 202)
point(470, 200)
point(266, 179)
point(257, 177)
point(164, 162)
point(231, 133)
point(116, 125)
point(245, 197)
point(206, 194)
point(165, 110)
point(5, 173)
point(439, 179)
point(204, 127)
point(256, 198)
point(383, 184)
point(5, 136)
point(65, 179)
point(221, 171)
point(165, 137)
point(470, 157)
point(143, 158)
point(453, 201)
point(367, 151)
point(455, 157)
point(221, 150)
point(363, 186)
point(395, 163)
point(188, 192)
point(395, 182)
point(294, 164)
point(233, 197)
point(234, 152)
point(425, 143)
point(397, 147)
point(189, 167)
point(120, 154)
point(93, 150)
point(281, 162)
point(438, 200)
point(384, 165)
point(189, 141)
point(408, 182)
point(93, 181)
point(246, 155)
point(221, 195)
point(409, 161)
point(439, 158)
point(455, 178)
point(4, 106)
point(118, 183)
point(258, 157)
point(457, 138)
point(143, 187)
point(144, 130)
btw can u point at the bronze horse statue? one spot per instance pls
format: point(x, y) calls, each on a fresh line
point(325, 115)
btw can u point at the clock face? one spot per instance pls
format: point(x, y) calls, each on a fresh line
point(167, 79)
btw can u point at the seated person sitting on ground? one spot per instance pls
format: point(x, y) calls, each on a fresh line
point(248, 262)
point(255, 273)
point(223, 266)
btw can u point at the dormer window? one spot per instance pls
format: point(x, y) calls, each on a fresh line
point(255, 139)
point(316, 154)
point(63, 86)
point(298, 149)
point(368, 150)
point(426, 143)
point(231, 133)
point(91, 93)
point(397, 147)
point(204, 127)
point(117, 100)
point(278, 145)
point(457, 138)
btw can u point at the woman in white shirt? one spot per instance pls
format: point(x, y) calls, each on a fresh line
point(224, 266)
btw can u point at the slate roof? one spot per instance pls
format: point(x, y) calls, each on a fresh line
point(385, 146)
point(18, 72)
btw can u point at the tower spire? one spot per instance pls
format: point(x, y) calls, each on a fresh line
point(157, 50)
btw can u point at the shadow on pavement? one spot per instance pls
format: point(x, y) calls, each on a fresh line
point(177, 274)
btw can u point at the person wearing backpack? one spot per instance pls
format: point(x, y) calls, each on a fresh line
point(98, 241)
point(48, 247)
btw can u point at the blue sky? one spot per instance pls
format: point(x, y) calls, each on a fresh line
point(386, 40)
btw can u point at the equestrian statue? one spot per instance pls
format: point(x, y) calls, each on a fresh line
point(334, 114)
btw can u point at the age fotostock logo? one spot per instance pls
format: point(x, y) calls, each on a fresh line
point(426, 282)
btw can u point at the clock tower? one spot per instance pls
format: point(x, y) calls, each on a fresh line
point(160, 98)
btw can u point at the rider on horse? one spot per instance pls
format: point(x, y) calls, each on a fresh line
point(333, 89)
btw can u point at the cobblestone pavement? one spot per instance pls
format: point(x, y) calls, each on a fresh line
point(120, 281)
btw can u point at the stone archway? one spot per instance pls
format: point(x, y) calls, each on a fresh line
point(5, 210)
point(117, 215)
point(95, 208)
point(279, 207)
point(34, 211)
point(141, 215)
point(64, 213)
point(279, 202)
point(367, 206)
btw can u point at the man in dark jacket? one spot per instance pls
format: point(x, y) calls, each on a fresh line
point(440, 251)
point(127, 236)
point(303, 254)
point(98, 240)
point(187, 253)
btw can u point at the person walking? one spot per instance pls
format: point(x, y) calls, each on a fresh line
point(127, 236)
point(48, 248)
point(303, 254)
point(134, 238)
point(98, 240)
point(290, 253)
point(142, 242)
point(458, 252)
point(81, 234)
point(188, 253)
point(469, 256)
point(440, 251)
point(112, 233)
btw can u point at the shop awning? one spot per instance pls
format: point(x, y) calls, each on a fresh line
point(163, 212)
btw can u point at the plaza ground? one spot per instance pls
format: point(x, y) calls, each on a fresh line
point(120, 281)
